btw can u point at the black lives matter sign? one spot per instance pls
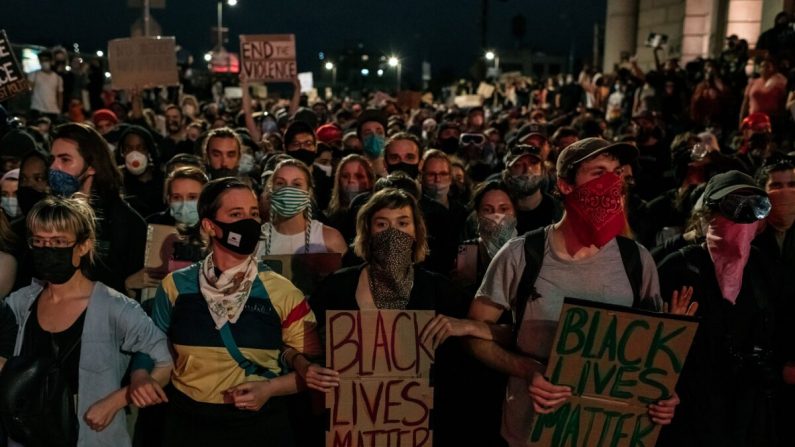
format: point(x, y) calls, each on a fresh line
point(12, 79)
point(617, 361)
point(268, 57)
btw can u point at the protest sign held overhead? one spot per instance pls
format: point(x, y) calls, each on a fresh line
point(12, 79)
point(617, 361)
point(384, 396)
point(268, 57)
point(142, 62)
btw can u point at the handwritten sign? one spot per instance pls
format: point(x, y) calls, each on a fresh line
point(617, 361)
point(268, 57)
point(142, 62)
point(304, 271)
point(384, 397)
point(12, 78)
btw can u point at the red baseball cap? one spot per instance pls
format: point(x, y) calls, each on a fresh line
point(757, 121)
point(328, 133)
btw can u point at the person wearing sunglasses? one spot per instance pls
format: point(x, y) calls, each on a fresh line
point(732, 367)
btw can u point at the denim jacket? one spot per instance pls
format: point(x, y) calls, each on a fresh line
point(115, 327)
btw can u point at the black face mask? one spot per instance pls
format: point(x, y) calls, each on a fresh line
point(303, 155)
point(449, 145)
point(221, 173)
point(240, 237)
point(412, 171)
point(27, 197)
point(52, 264)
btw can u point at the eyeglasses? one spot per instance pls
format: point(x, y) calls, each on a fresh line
point(743, 208)
point(56, 242)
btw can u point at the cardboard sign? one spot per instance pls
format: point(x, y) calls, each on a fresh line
point(159, 250)
point(307, 81)
point(268, 57)
point(142, 62)
point(617, 361)
point(466, 101)
point(12, 78)
point(485, 90)
point(384, 397)
point(305, 271)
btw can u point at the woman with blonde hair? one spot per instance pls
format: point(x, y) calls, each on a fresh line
point(354, 176)
point(291, 229)
point(88, 328)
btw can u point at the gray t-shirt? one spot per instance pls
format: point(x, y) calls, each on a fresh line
point(600, 278)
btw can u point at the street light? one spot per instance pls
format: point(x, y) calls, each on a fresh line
point(490, 55)
point(393, 61)
point(100, 53)
point(220, 20)
point(231, 2)
point(333, 69)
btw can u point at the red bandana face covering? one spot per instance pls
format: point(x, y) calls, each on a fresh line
point(729, 246)
point(596, 210)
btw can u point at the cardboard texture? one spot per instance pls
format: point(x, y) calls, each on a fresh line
point(305, 271)
point(142, 62)
point(13, 80)
point(485, 90)
point(384, 397)
point(159, 250)
point(465, 101)
point(268, 57)
point(617, 361)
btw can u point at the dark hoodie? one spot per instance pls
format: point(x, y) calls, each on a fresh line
point(146, 197)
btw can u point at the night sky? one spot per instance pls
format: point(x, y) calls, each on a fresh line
point(444, 32)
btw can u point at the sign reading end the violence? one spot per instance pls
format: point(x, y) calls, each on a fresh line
point(12, 79)
point(268, 57)
point(142, 62)
point(384, 397)
point(617, 361)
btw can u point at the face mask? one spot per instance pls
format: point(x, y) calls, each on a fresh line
point(729, 245)
point(495, 230)
point(10, 206)
point(437, 192)
point(52, 264)
point(221, 173)
point(186, 212)
point(288, 201)
point(596, 210)
point(246, 164)
point(136, 162)
point(412, 171)
point(782, 213)
point(325, 168)
point(63, 184)
point(449, 145)
point(373, 145)
point(240, 237)
point(391, 274)
point(349, 192)
point(45, 66)
point(305, 156)
point(524, 185)
point(27, 197)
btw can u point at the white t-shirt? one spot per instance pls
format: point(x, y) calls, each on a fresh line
point(601, 278)
point(46, 87)
point(292, 244)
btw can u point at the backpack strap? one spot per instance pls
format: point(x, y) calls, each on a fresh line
point(630, 256)
point(248, 366)
point(534, 244)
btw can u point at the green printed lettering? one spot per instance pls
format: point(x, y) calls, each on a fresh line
point(572, 432)
point(647, 380)
point(609, 415)
point(572, 325)
point(556, 371)
point(600, 382)
point(658, 343)
point(622, 344)
point(556, 420)
point(616, 390)
point(618, 433)
point(584, 375)
point(609, 341)
point(587, 350)
point(592, 411)
point(640, 431)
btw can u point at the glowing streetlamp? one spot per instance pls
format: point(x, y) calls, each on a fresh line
point(330, 66)
point(394, 62)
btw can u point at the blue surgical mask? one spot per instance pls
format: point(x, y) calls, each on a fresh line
point(373, 145)
point(10, 206)
point(62, 184)
point(186, 212)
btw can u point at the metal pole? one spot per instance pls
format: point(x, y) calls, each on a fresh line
point(146, 18)
point(399, 66)
point(220, 25)
point(334, 76)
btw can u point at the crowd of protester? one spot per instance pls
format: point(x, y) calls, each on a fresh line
point(670, 189)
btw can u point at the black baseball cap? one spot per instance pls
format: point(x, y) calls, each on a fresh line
point(529, 130)
point(519, 151)
point(368, 115)
point(581, 150)
point(721, 185)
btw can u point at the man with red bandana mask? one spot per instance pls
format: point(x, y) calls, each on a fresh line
point(580, 256)
point(732, 375)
